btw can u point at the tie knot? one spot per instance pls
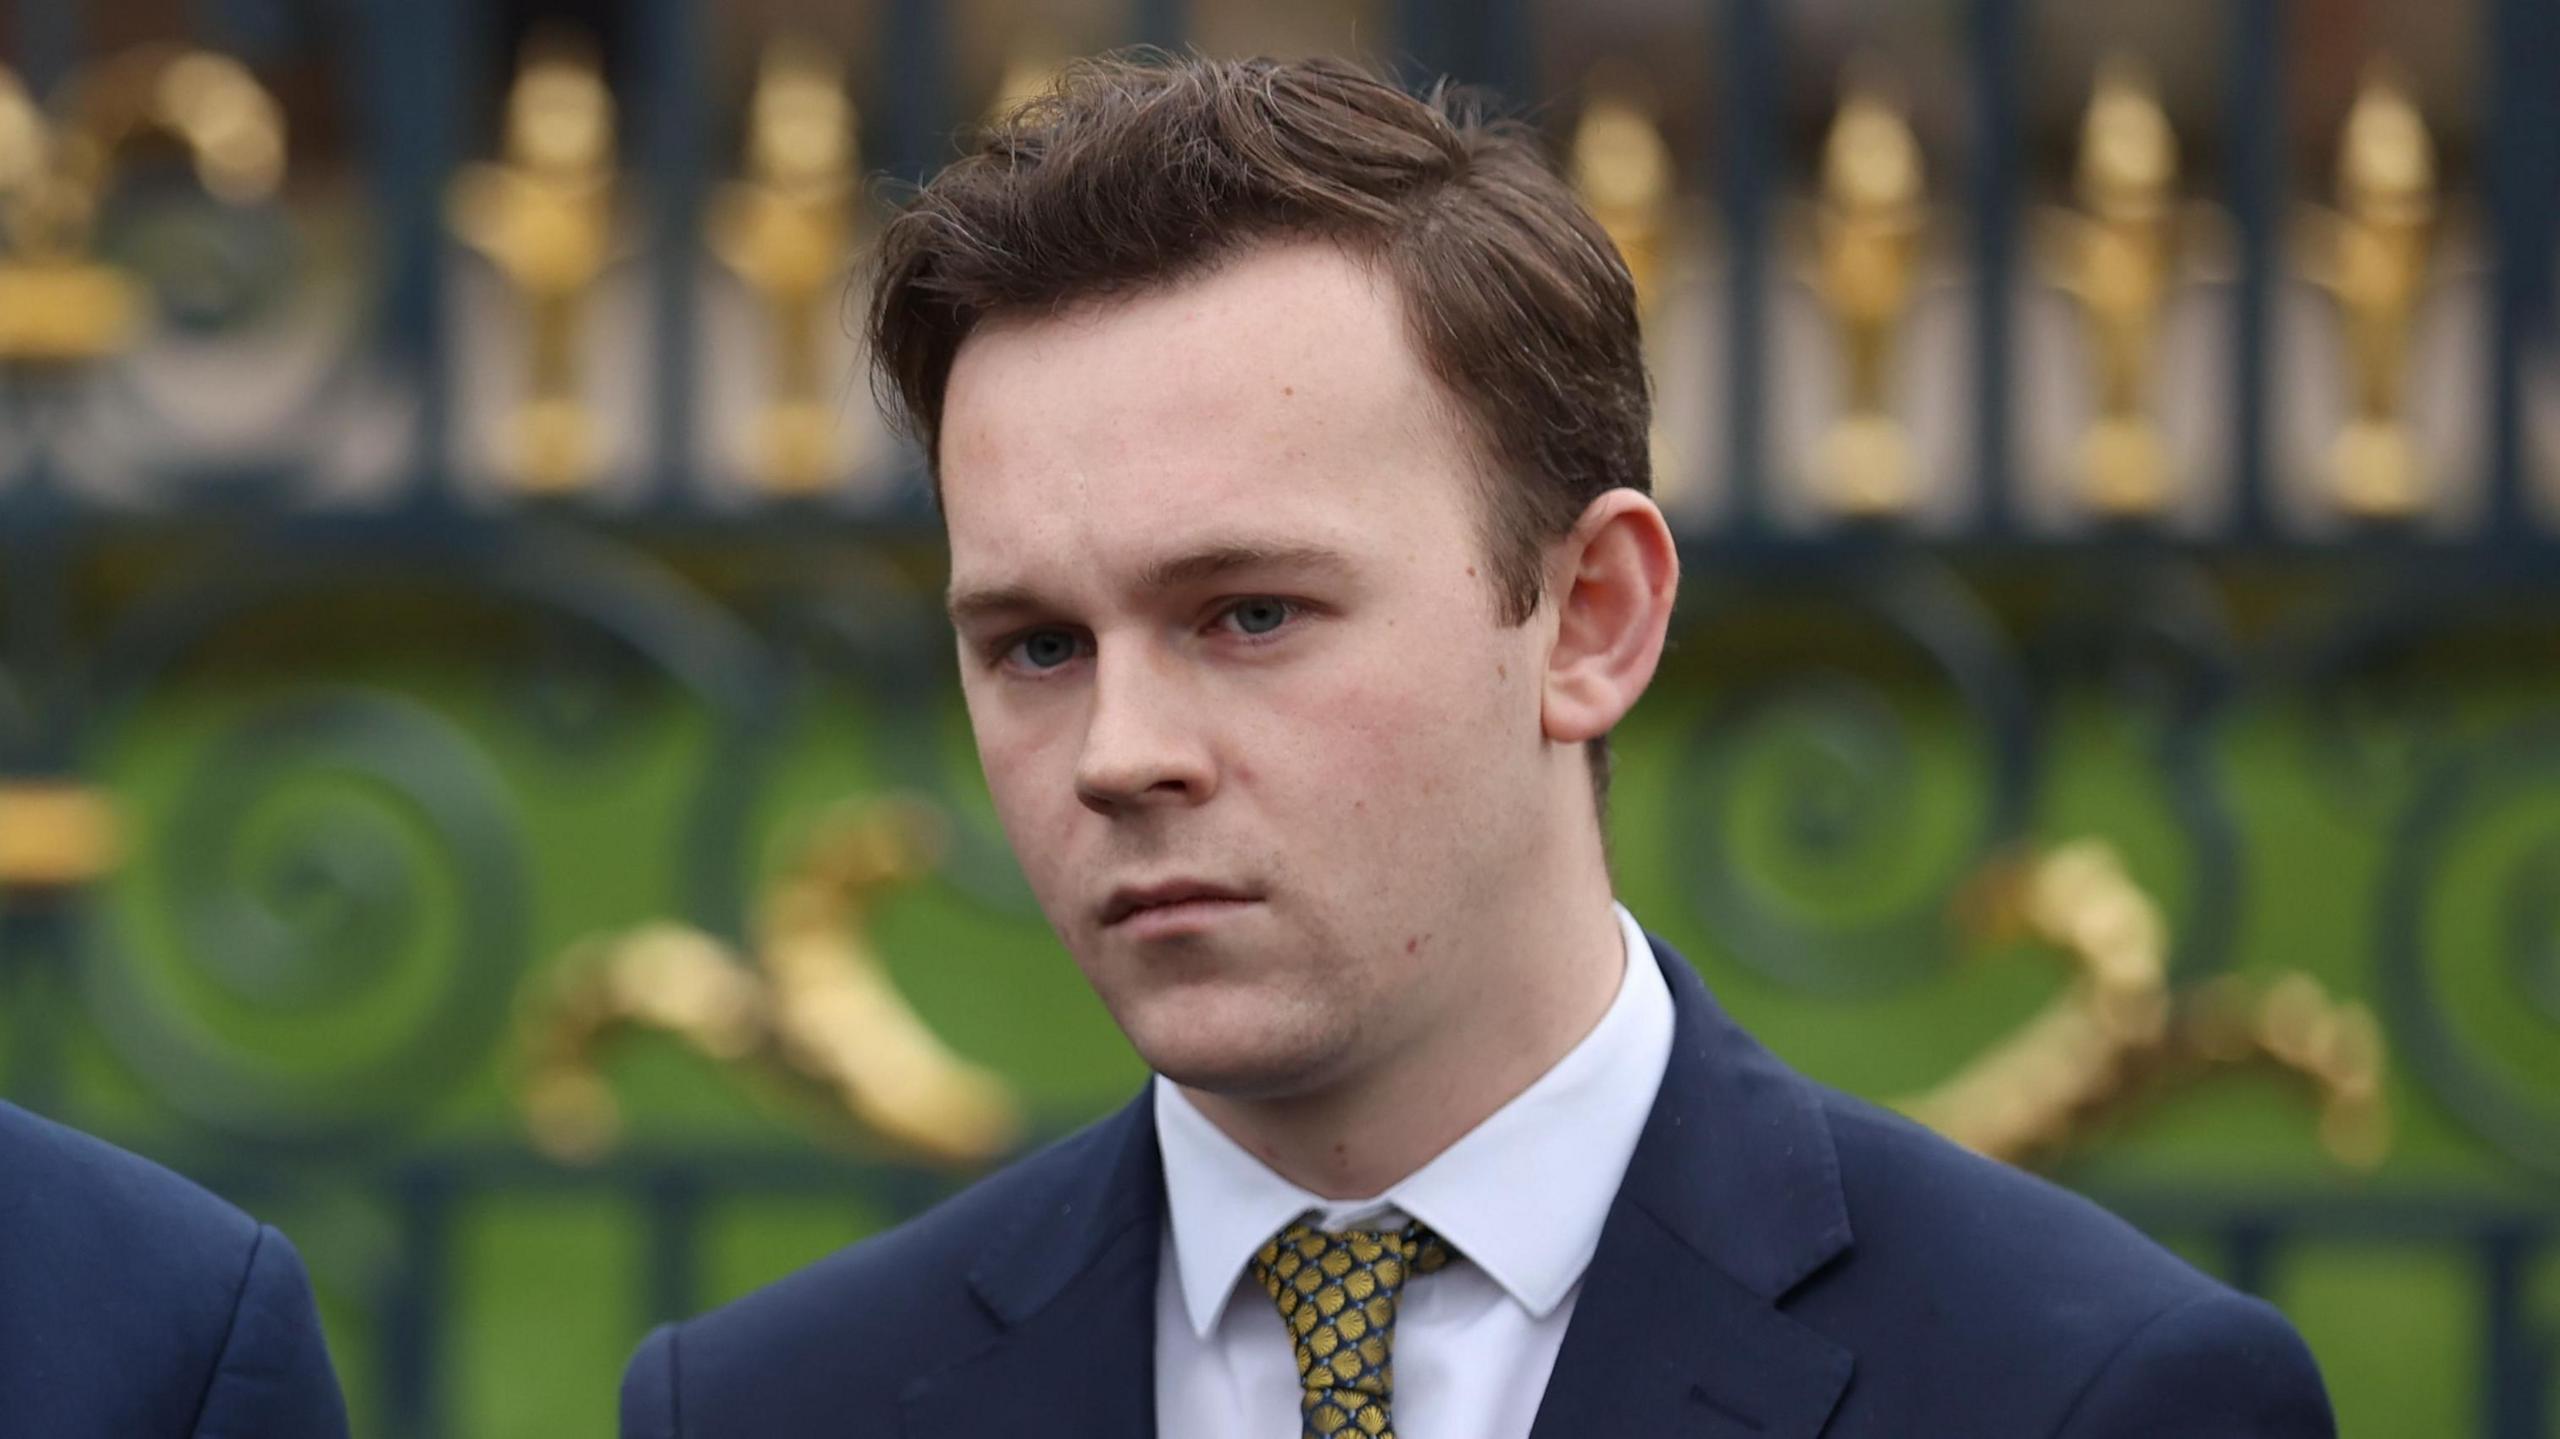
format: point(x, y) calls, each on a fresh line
point(1336, 1291)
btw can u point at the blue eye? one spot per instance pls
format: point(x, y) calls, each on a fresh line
point(1259, 616)
point(1044, 649)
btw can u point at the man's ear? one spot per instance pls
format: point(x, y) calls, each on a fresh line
point(1614, 579)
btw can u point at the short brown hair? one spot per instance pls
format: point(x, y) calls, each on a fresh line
point(1142, 169)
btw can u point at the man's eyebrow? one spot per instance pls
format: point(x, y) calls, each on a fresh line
point(974, 604)
point(1192, 567)
point(1229, 556)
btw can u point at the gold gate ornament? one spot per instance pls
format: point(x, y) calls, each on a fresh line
point(2120, 265)
point(56, 834)
point(814, 1005)
point(1868, 231)
point(59, 303)
point(2121, 1036)
point(788, 233)
point(544, 218)
point(2380, 243)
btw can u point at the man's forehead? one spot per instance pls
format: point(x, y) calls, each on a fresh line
point(1287, 341)
point(1125, 443)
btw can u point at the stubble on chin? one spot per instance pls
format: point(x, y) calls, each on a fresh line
point(1271, 1058)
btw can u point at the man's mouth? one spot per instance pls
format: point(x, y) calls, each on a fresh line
point(1171, 905)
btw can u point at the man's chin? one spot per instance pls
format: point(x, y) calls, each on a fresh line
point(1238, 1066)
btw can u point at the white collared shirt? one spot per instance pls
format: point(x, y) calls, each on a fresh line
point(1521, 1197)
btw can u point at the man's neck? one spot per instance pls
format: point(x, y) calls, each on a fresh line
point(1363, 1136)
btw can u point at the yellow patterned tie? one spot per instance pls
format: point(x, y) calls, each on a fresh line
point(1337, 1293)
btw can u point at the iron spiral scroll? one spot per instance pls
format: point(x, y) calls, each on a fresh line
point(321, 940)
point(1806, 778)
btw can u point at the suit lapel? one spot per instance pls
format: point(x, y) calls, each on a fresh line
point(1664, 1343)
point(1731, 1200)
point(1072, 1290)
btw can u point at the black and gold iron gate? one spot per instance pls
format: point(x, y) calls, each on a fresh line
point(450, 576)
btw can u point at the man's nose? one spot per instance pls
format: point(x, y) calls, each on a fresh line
point(1142, 745)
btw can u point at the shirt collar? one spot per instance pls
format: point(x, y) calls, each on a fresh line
point(1523, 1195)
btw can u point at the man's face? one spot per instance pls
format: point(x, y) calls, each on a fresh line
point(1268, 756)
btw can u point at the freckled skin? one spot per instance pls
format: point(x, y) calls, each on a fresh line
point(1275, 401)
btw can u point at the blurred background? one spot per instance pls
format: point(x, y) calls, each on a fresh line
point(482, 783)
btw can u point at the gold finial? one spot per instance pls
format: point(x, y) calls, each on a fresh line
point(2122, 252)
point(42, 216)
point(58, 303)
point(23, 136)
point(1868, 235)
point(2121, 1035)
point(1623, 169)
point(544, 219)
point(801, 131)
point(234, 128)
point(815, 1005)
point(560, 115)
point(2128, 154)
point(2386, 164)
point(787, 231)
point(2384, 232)
point(1871, 166)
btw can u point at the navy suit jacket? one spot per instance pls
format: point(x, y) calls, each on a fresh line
point(1781, 1261)
point(134, 1305)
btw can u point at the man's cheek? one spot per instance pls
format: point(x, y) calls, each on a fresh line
point(1033, 786)
point(1380, 743)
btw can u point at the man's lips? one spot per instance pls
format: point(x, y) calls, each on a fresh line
point(1201, 896)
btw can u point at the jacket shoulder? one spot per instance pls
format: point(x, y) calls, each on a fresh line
point(2218, 1366)
point(126, 1284)
point(1920, 1202)
point(78, 1202)
point(871, 1314)
point(1972, 1282)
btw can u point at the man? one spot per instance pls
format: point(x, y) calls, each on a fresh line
point(1290, 435)
point(134, 1305)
